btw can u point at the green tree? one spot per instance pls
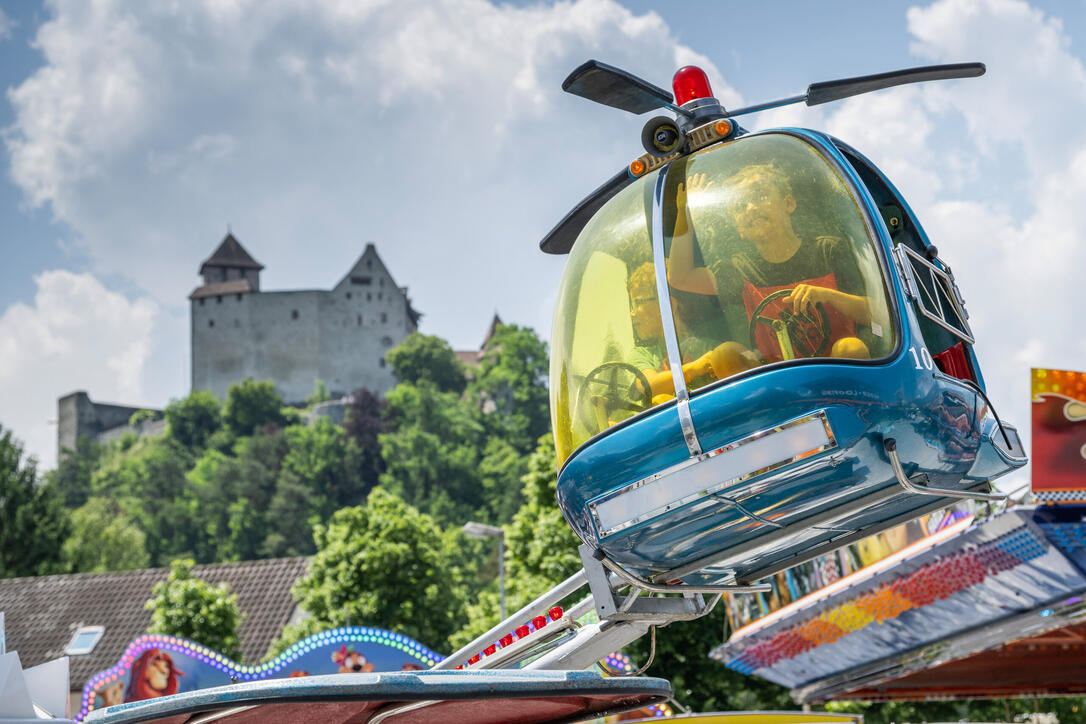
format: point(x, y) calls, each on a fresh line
point(325, 459)
point(186, 606)
point(424, 357)
point(148, 481)
point(75, 469)
point(251, 405)
point(320, 393)
point(511, 382)
point(540, 551)
point(364, 423)
point(141, 416)
point(229, 496)
point(192, 420)
point(501, 469)
point(291, 518)
point(104, 538)
point(33, 522)
point(432, 454)
point(1069, 709)
point(385, 564)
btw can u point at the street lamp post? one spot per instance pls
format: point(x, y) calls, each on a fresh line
point(480, 531)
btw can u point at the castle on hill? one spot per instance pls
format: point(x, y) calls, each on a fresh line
point(293, 338)
point(339, 336)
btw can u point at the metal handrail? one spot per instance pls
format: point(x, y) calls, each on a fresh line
point(890, 446)
point(543, 602)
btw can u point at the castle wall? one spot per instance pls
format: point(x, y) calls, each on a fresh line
point(295, 337)
point(284, 345)
point(220, 334)
point(78, 416)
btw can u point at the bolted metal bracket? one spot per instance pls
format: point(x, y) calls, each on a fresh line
point(606, 578)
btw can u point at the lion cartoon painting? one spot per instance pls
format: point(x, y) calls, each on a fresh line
point(153, 675)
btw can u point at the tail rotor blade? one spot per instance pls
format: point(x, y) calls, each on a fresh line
point(615, 87)
point(834, 90)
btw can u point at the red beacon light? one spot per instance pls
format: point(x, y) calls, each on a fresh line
point(539, 622)
point(690, 84)
point(555, 613)
point(506, 640)
point(523, 631)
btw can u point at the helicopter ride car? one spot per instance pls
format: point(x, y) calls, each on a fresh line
point(757, 354)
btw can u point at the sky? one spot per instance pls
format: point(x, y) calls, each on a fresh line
point(134, 134)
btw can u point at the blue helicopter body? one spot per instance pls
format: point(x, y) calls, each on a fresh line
point(748, 526)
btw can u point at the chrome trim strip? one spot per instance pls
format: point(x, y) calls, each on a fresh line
point(764, 542)
point(663, 297)
point(710, 491)
point(650, 587)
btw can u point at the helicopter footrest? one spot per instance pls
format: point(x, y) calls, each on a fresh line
point(632, 607)
point(913, 486)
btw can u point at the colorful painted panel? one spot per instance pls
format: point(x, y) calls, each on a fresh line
point(1059, 435)
point(992, 570)
point(807, 579)
point(156, 665)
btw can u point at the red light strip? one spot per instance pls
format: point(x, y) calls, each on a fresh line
point(520, 633)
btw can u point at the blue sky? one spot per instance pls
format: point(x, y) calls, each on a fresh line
point(133, 133)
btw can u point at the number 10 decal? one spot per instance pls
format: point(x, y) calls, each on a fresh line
point(925, 356)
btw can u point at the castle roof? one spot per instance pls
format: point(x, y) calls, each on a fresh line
point(43, 612)
point(491, 331)
point(472, 357)
point(234, 286)
point(231, 254)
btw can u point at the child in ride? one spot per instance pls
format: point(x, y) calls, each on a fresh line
point(820, 273)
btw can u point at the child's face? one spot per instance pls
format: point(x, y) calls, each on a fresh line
point(645, 314)
point(761, 210)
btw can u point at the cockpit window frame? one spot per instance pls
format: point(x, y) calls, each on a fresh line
point(823, 145)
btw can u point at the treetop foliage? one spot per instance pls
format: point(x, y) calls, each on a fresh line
point(194, 419)
point(383, 562)
point(251, 405)
point(423, 357)
point(186, 606)
point(33, 522)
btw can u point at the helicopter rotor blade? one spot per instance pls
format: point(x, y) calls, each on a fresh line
point(559, 240)
point(834, 90)
point(615, 87)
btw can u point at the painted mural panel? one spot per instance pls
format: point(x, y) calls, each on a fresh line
point(1059, 435)
point(156, 665)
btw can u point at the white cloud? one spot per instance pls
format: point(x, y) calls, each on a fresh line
point(77, 335)
point(1034, 93)
point(6, 26)
point(436, 129)
point(1019, 264)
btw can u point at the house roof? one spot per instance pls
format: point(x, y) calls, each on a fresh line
point(231, 254)
point(42, 613)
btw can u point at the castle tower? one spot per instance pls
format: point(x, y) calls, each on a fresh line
point(231, 262)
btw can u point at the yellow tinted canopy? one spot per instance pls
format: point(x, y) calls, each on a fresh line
point(768, 259)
